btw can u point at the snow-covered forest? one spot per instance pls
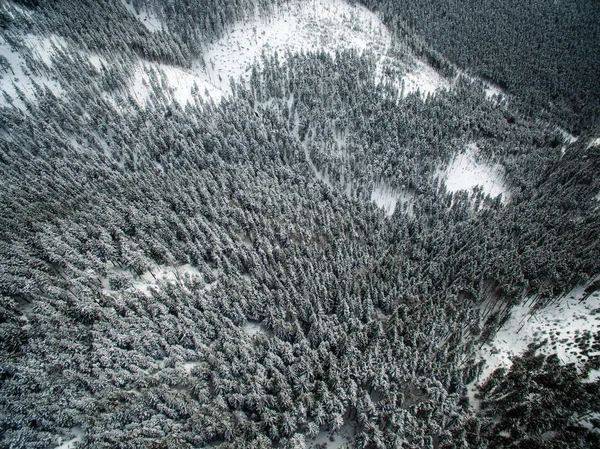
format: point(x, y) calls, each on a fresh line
point(299, 224)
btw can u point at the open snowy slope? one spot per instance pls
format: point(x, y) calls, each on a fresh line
point(16, 80)
point(571, 326)
point(465, 172)
point(297, 26)
point(150, 21)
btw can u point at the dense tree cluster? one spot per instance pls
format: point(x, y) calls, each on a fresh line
point(307, 310)
point(540, 403)
point(545, 53)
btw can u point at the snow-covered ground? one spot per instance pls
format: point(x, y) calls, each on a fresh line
point(152, 280)
point(561, 324)
point(423, 78)
point(310, 26)
point(569, 138)
point(185, 84)
point(335, 440)
point(594, 143)
point(388, 198)
point(298, 26)
point(78, 435)
point(465, 172)
point(150, 21)
point(17, 78)
point(295, 26)
point(492, 91)
point(43, 48)
point(252, 328)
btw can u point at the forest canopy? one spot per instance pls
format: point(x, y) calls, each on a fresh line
point(314, 250)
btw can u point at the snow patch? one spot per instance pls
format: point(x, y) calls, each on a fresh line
point(594, 143)
point(560, 323)
point(73, 442)
point(569, 138)
point(253, 328)
point(15, 78)
point(184, 84)
point(492, 91)
point(98, 62)
point(423, 78)
point(297, 26)
point(152, 280)
point(43, 48)
point(387, 198)
point(148, 18)
point(465, 172)
point(188, 366)
point(334, 440)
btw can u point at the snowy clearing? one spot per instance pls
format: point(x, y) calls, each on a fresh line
point(387, 198)
point(253, 328)
point(425, 79)
point(320, 25)
point(98, 61)
point(150, 21)
point(43, 48)
point(73, 442)
point(561, 324)
point(333, 440)
point(491, 91)
point(16, 78)
point(188, 366)
point(184, 84)
point(465, 172)
point(594, 143)
point(151, 280)
point(569, 138)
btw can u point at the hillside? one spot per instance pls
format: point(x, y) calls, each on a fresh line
point(299, 224)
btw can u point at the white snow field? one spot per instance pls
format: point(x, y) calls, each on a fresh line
point(560, 324)
point(152, 280)
point(387, 198)
point(17, 78)
point(465, 172)
point(73, 442)
point(594, 143)
point(296, 26)
point(569, 138)
point(423, 78)
point(184, 84)
point(150, 21)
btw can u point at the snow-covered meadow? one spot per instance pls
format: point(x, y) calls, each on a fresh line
point(465, 172)
point(569, 327)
